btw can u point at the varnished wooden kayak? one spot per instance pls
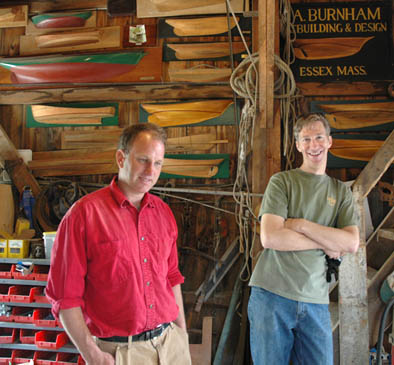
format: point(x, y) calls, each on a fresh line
point(190, 51)
point(328, 48)
point(200, 26)
point(170, 5)
point(61, 20)
point(71, 68)
point(200, 75)
point(358, 115)
point(355, 149)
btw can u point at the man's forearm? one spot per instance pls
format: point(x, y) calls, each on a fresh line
point(328, 238)
point(75, 326)
point(180, 321)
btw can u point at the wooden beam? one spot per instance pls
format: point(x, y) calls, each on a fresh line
point(376, 167)
point(15, 166)
point(118, 92)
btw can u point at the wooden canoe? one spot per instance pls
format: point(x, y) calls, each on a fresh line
point(192, 51)
point(166, 5)
point(200, 26)
point(328, 48)
point(47, 113)
point(355, 149)
point(358, 115)
point(177, 117)
point(200, 75)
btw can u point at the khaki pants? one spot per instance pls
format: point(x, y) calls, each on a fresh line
point(171, 348)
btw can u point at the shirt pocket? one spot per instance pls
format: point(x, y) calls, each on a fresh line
point(109, 263)
point(160, 250)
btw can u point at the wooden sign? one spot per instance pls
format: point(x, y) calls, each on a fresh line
point(15, 16)
point(343, 41)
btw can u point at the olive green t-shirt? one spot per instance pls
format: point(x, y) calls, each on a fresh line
point(301, 275)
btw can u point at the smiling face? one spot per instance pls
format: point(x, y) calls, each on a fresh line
point(313, 142)
point(140, 167)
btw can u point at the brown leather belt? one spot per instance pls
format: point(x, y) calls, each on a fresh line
point(143, 336)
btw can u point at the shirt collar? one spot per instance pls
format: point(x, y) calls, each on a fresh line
point(121, 199)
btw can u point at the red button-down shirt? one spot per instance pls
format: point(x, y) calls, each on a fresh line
point(117, 263)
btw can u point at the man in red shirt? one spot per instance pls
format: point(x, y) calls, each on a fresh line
point(114, 280)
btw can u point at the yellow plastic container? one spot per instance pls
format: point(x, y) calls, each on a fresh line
point(18, 248)
point(3, 247)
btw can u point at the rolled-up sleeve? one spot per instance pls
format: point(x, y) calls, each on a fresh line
point(66, 280)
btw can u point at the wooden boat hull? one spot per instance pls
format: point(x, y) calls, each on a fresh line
point(200, 26)
point(64, 40)
point(355, 149)
point(200, 75)
point(351, 116)
point(86, 68)
point(328, 48)
point(192, 51)
point(49, 21)
point(170, 115)
point(166, 5)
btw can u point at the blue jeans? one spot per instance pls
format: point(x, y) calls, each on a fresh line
point(282, 330)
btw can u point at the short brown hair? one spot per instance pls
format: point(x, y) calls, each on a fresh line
point(308, 119)
point(130, 133)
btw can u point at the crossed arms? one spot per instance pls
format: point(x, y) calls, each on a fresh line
point(297, 234)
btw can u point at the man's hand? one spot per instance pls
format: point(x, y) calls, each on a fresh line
point(101, 358)
point(333, 254)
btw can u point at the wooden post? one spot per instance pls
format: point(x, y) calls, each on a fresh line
point(353, 296)
point(266, 61)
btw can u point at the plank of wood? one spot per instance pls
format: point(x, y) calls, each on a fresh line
point(7, 212)
point(91, 22)
point(121, 7)
point(15, 16)
point(201, 353)
point(102, 138)
point(200, 74)
point(195, 51)
point(328, 48)
point(107, 37)
point(148, 9)
point(200, 26)
point(376, 167)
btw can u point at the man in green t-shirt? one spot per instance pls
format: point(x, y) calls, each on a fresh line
point(305, 215)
